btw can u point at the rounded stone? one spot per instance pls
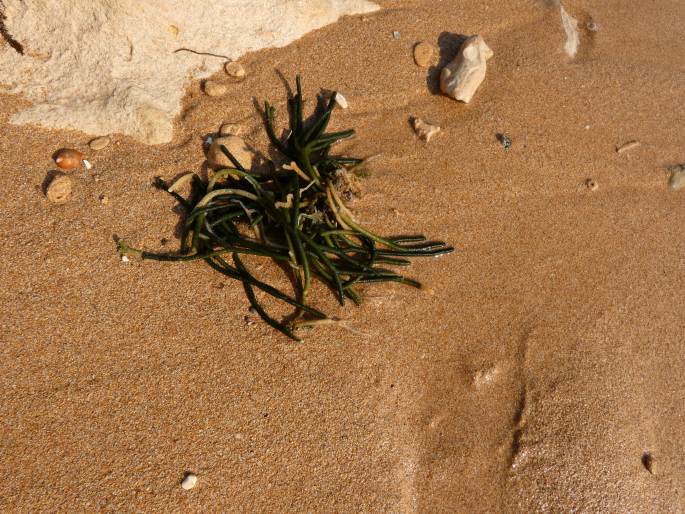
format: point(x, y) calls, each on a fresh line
point(59, 189)
point(214, 88)
point(234, 69)
point(423, 54)
point(217, 159)
point(99, 143)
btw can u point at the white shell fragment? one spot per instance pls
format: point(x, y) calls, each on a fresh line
point(630, 145)
point(424, 130)
point(570, 25)
point(87, 164)
point(461, 78)
point(189, 481)
point(341, 100)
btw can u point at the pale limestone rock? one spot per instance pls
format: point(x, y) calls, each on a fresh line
point(424, 130)
point(217, 159)
point(460, 78)
point(112, 66)
point(189, 481)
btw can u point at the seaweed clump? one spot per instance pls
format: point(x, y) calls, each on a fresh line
point(294, 215)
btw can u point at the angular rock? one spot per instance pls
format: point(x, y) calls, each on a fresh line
point(114, 66)
point(460, 78)
point(234, 69)
point(217, 159)
point(424, 130)
point(99, 143)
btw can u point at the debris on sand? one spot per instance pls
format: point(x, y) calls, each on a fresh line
point(59, 189)
point(630, 145)
point(99, 143)
point(424, 130)
point(677, 181)
point(570, 25)
point(423, 54)
point(591, 184)
point(214, 89)
point(461, 78)
point(189, 481)
point(235, 70)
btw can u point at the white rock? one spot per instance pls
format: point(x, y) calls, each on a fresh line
point(112, 66)
point(217, 159)
point(189, 481)
point(424, 130)
point(570, 25)
point(460, 78)
point(341, 100)
point(677, 180)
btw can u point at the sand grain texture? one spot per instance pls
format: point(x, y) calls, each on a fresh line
point(545, 360)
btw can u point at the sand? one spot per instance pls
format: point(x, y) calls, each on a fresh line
point(537, 372)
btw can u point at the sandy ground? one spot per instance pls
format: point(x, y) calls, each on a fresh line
point(541, 364)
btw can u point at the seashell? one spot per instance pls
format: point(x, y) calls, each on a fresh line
point(68, 158)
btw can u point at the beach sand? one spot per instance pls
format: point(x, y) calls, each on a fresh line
point(538, 371)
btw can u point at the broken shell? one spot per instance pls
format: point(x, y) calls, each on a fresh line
point(217, 159)
point(59, 189)
point(68, 158)
point(630, 145)
point(424, 130)
point(234, 69)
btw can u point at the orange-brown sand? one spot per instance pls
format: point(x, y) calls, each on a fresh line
point(541, 367)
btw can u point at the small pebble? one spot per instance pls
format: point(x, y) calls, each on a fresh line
point(214, 89)
point(99, 143)
point(677, 181)
point(627, 147)
point(341, 100)
point(592, 26)
point(104, 200)
point(68, 158)
point(87, 164)
point(189, 481)
point(396, 34)
point(59, 189)
point(217, 159)
point(124, 258)
point(591, 184)
point(423, 54)
point(234, 69)
point(230, 129)
point(424, 130)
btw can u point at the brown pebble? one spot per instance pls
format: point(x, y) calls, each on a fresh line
point(59, 189)
point(591, 184)
point(99, 143)
point(423, 54)
point(648, 462)
point(104, 200)
point(234, 69)
point(68, 158)
point(214, 88)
